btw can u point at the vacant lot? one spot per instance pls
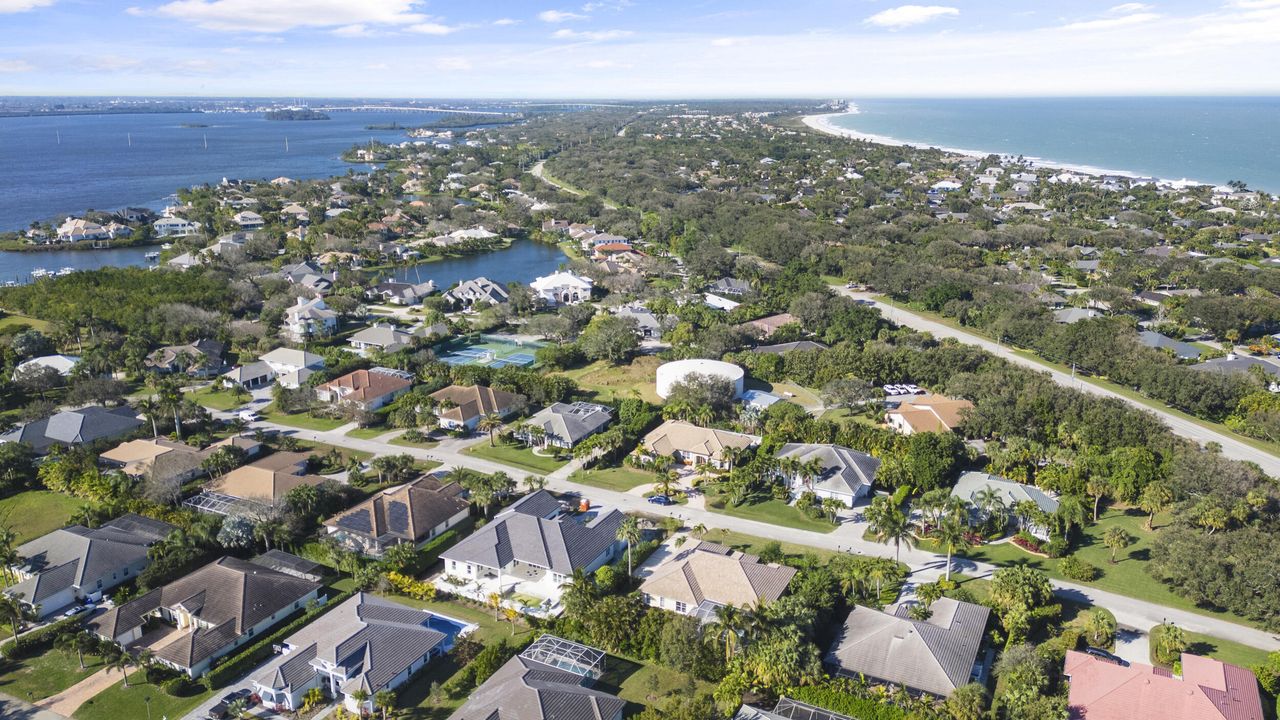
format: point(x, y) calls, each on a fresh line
point(620, 479)
point(620, 381)
point(37, 512)
point(516, 456)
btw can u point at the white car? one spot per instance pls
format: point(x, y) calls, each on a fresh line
point(249, 416)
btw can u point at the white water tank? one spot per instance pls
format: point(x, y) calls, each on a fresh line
point(673, 372)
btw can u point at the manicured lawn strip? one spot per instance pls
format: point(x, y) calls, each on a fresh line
point(1224, 650)
point(399, 440)
point(300, 420)
point(753, 545)
point(631, 681)
point(516, 456)
point(117, 701)
point(34, 513)
point(774, 512)
point(319, 448)
point(35, 323)
point(47, 673)
point(608, 382)
point(369, 433)
point(620, 479)
point(219, 399)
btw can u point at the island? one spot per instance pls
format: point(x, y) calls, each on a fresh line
point(295, 114)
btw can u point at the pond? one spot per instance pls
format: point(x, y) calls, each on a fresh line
point(523, 262)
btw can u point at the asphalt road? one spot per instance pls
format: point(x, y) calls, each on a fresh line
point(1232, 446)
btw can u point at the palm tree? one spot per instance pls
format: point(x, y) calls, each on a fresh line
point(1071, 512)
point(954, 537)
point(666, 481)
point(74, 641)
point(149, 409)
point(888, 524)
point(312, 698)
point(991, 502)
point(1156, 496)
point(879, 570)
point(630, 533)
point(490, 424)
point(534, 483)
point(728, 629)
point(361, 696)
point(121, 662)
point(385, 700)
point(579, 589)
point(698, 531)
point(1098, 488)
point(1116, 538)
point(1170, 642)
point(11, 613)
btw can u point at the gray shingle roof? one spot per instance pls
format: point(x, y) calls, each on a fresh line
point(407, 513)
point(783, 348)
point(934, 656)
point(560, 545)
point(846, 471)
point(77, 556)
point(1180, 349)
point(525, 689)
point(970, 483)
point(571, 423)
point(73, 427)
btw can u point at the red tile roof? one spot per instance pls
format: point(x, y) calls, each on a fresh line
point(1208, 690)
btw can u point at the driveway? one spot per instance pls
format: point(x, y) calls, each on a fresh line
point(1133, 645)
point(12, 708)
point(70, 700)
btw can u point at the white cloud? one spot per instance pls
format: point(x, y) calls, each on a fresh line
point(111, 63)
point(1112, 23)
point(908, 15)
point(1254, 4)
point(353, 31)
point(559, 16)
point(17, 6)
point(727, 42)
point(1132, 7)
point(455, 64)
point(432, 28)
point(15, 66)
point(614, 5)
point(506, 21)
point(282, 15)
point(589, 35)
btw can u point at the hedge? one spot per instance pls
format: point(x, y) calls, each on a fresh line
point(40, 636)
point(254, 654)
point(846, 703)
point(485, 664)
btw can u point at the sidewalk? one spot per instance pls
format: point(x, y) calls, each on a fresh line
point(12, 708)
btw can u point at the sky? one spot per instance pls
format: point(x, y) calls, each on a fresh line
point(639, 48)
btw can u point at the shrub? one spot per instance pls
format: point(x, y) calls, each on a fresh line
point(180, 686)
point(486, 663)
point(1056, 547)
point(1073, 568)
point(1027, 541)
point(37, 639)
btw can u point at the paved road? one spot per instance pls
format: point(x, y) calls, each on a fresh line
point(926, 566)
point(12, 708)
point(1232, 446)
point(539, 172)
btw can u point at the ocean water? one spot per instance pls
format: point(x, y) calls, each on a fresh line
point(51, 167)
point(1208, 139)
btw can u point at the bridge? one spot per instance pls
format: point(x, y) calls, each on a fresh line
point(410, 108)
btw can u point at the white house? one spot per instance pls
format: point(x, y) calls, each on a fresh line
point(563, 288)
point(292, 367)
point(828, 471)
point(175, 227)
point(61, 364)
point(309, 318)
point(77, 229)
point(249, 220)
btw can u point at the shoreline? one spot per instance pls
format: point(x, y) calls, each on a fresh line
point(823, 123)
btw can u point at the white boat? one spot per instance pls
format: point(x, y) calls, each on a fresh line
point(40, 272)
point(167, 246)
point(152, 256)
point(66, 271)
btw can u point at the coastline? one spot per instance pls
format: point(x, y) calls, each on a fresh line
point(823, 123)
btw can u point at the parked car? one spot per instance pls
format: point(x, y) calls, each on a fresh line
point(661, 500)
point(249, 416)
point(76, 610)
point(221, 710)
point(1108, 656)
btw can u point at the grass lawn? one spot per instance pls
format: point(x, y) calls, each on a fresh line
point(219, 399)
point(802, 396)
point(369, 433)
point(34, 513)
point(753, 545)
point(648, 684)
point(35, 323)
point(620, 479)
point(608, 382)
point(45, 674)
point(774, 512)
point(118, 702)
point(844, 415)
point(1224, 650)
point(319, 448)
point(300, 420)
point(399, 440)
point(516, 456)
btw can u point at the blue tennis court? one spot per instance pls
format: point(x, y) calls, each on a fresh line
point(495, 351)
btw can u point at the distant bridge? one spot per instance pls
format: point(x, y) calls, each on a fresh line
point(411, 108)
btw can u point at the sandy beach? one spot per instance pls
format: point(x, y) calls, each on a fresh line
point(824, 123)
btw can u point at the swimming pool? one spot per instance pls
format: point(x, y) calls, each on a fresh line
point(450, 627)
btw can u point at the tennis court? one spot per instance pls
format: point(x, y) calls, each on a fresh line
point(493, 351)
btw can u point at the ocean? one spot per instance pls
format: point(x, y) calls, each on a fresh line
point(51, 167)
point(1207, 139)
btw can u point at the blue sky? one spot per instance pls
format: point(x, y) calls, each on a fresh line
point(639, 48)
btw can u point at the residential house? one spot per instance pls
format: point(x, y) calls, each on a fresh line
point(927, 413)
point(79, 229)
point(481, 289)
point(308, 275)
point(251, 376)
point(291, 368)
point(530, 550)
point(202, 358)
point(933, 656)
point(249, 220)
point(401, 293)
point(158, 459)
point(972, 486)
point(367, 644)
point(262, 483)
point(1180, 350)
point(61, 364)
point(1207, 690)
point(843, 474)
point(75, 563)
point(694, 445)
point(413, 513)
point(207, 614)
point(380, 336)
point(309, 318)
point(788, 709)
point(461, 407)
point(648, 326)
point(718, 302)
point(701, 579)
point(564, 425)
point(1069, 316)
point(550, 680)
point(366, 389)
point(765, 327)
point(175, 227)
point(1233, 363)
point(563, 288)
point(730, 286)
point(784, 348)
point(75, 427)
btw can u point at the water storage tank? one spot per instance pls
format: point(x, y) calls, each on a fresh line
point(673, 372)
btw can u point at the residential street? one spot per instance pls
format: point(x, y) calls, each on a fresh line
point(1232, 447)
point(926, 566)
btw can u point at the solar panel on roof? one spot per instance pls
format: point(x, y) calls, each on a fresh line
point(357, 520)
point(398, 516)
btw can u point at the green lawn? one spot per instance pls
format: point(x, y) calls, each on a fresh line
point(608, 382)
point(399, 440)
point(219, 399)
point(753, 545)
point(300, 420)
point(45, 674)
point(516, 456)
point(620, 479)
point(646, 683)
point(1224, 650)
point(774, 512)
point(35, 323)
point(802, 396)
point(369, 433)
point(34, 513)
point(319, 448)
point(117, 701)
